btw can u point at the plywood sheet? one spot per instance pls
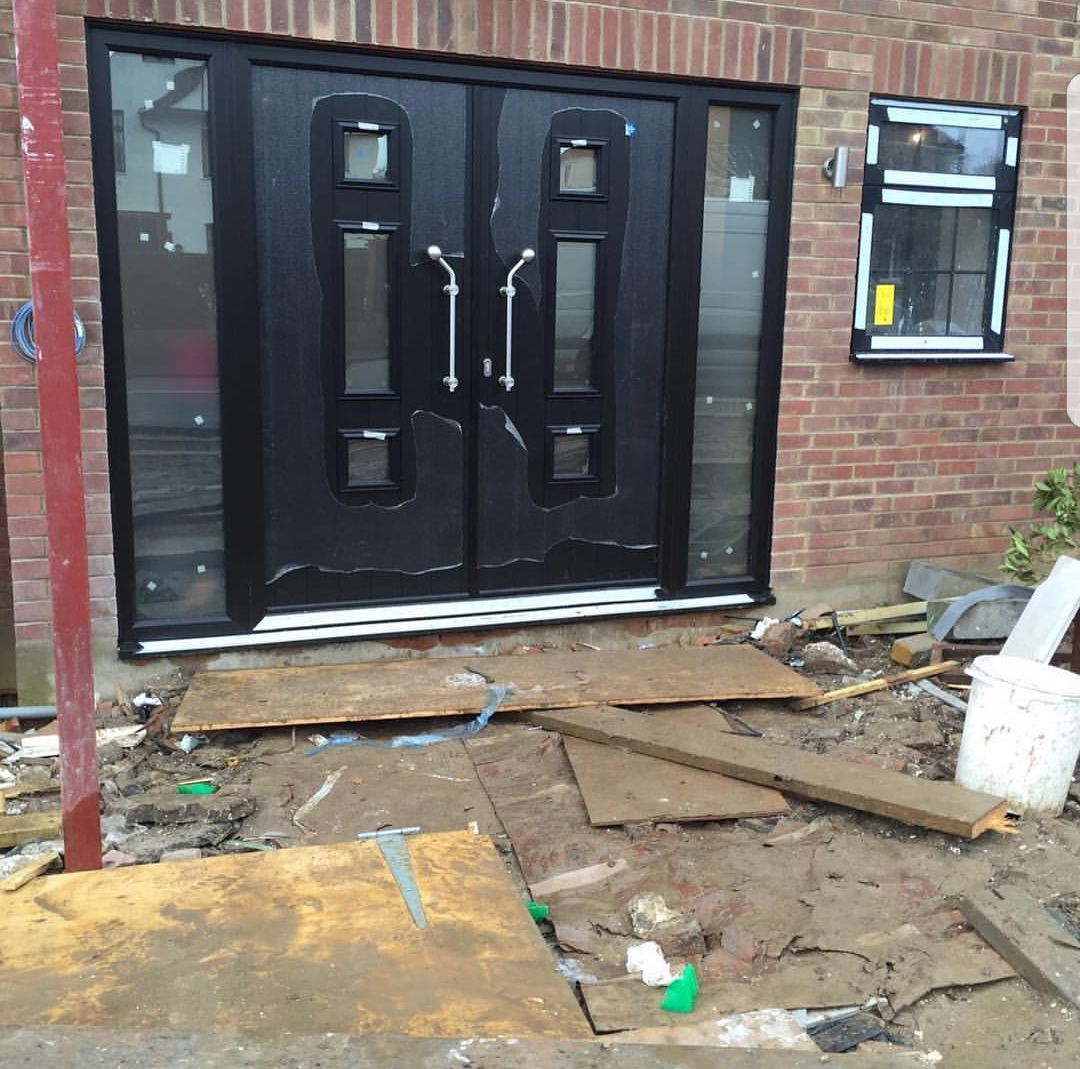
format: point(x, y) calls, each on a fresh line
point(691, 735)
point(306, 940)
point(623, 787)
point(446, 686)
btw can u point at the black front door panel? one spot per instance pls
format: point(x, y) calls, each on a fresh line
point(380, 481)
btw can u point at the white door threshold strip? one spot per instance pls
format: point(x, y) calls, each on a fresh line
point(442, 622)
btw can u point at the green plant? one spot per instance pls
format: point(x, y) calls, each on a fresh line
point(1031, 554)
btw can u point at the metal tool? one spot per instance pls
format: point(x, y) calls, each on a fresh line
point(395, 851)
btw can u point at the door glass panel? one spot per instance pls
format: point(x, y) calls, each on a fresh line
point(367, 312)
point(577, 169)
point(165, 218)
point(572, 455)
point(729, 340)
point(368, 461)
point(367, 155)
point(575, 314)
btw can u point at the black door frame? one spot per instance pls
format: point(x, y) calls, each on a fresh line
point(229, 60)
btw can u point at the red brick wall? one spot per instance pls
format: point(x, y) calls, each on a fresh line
point(876, 464)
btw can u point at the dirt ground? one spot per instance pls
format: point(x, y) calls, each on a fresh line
point(849, 895)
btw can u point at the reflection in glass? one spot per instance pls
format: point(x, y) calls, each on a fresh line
point(940, 149)
point(577, 169)
point(165, 221)
point(368, 461)
point(575, 314)
point(938, 258)
point(572, 455)
point(367, 312)
point(367, 154)
point(729, 340)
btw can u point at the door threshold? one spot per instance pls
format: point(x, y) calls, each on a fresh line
point(396, 621)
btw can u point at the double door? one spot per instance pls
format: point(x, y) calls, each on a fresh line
point(463, 296)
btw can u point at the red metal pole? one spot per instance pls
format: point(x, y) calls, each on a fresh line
point(42, 137)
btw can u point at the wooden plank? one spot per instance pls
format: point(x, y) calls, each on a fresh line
point(690, 735)
point(850, 617)
point(626, 1003)
point(890, 627)
point(1052, 608)
point(913, 651)
point(27, 827)
point(305, 940)
point(63, 1048)
point(1028, 938)
point(34, 866)
point(872, 685)
point(446, 686)
point(622, 787)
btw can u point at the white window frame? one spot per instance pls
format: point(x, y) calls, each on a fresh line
point(926, 188)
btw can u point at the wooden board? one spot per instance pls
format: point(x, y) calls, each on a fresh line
point(690, 735)
point(626, 1003)
point(623, 787)
point(34, 865)
point(1028, 938)
point(103, 1048)
point(447, 686)
point(872, 685)
point(26, 827)
point(913, 651)
point(305, 940)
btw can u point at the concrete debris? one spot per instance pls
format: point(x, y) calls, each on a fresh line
point(825, 657)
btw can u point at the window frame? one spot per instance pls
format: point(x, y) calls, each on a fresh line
point(916, 189)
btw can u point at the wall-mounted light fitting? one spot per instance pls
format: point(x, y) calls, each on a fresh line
point(835, 167)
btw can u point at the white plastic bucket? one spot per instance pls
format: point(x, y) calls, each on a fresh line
point(1021, 735)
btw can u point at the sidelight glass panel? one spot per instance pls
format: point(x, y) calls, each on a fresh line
point(367, 156)
point(729, 340)
point(578, 172)
point(165, 216)
point(367, 312)
point(575, 314)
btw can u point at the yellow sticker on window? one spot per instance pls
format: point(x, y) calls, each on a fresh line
point(884, 299)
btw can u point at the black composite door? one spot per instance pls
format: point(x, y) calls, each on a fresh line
point(415, 445)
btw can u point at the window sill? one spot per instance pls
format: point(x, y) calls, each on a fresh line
point(923, 357)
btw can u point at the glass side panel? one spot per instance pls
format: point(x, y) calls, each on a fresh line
point(367, 156)
point(575, 314)
point(578, 170)
point(165, 217)
point(367, 312)
point(940, 149)
point(936, 261)
point(729, 340)
point(368, 461)
point(572, 455)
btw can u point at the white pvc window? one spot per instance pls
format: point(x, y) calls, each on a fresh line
point(938, 203)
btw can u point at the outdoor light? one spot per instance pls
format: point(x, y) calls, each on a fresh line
point(835, 166)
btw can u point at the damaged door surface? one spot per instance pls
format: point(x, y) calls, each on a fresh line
point(437, 423)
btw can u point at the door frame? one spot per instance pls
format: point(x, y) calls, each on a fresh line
point(245, 622)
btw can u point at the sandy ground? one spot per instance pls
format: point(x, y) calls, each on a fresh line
point(854, 877)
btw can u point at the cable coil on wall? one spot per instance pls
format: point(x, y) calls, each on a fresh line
point(22, 333)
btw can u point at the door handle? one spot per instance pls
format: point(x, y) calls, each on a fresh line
point(506, 381)
point(450, 379)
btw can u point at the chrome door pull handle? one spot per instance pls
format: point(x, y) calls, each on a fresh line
point(450, 380)
point(506, 381)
